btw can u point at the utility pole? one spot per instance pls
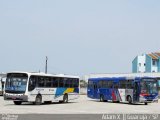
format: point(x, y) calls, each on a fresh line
point(46, 64)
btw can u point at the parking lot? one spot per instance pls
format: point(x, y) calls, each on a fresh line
point(83, 105)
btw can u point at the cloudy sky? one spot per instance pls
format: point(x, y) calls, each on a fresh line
point(78, 36)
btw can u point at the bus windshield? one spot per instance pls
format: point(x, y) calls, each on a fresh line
point(149, 86)
point(16, 83)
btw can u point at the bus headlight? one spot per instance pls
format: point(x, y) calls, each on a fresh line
point(156, 98)
point(142, 98)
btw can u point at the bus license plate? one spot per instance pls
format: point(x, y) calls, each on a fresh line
point(13, 98)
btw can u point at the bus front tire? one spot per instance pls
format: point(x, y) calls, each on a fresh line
point(17, 102)
point(65, 98)
point(38, 100)
point(146, 103)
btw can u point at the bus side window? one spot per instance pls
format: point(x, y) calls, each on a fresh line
point(74, 82)
point(110, 84)
point(105, 84)
point(65, 82)
point(100, 84)
point(32, 83)
point(116, 85)
point(47, 82)
point(90, 84)
point(40, 81)
point(71, 82)
point(122, 84)
point(61, 83)
point(95, 86)
point(55, 82)
point(129, 84)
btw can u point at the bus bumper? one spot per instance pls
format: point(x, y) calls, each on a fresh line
point(15, 97)
point(149, 101)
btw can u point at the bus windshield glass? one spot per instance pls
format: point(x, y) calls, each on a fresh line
point(149, 86)
point(16, 83)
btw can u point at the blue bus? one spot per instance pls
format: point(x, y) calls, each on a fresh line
point(124, 89)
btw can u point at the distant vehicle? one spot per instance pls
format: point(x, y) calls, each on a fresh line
point(39, 87)
point(2, 82)
point(124, 89)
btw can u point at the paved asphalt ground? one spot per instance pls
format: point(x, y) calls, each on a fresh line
point(83, 105)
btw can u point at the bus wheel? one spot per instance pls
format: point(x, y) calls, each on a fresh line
point(118, 101)
point(38, 100)
point(17, 102)
point(129, 99)
point(101, 98)
point(146, 103)
point(65, 98)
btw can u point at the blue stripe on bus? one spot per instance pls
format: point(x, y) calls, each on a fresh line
point(59, 92)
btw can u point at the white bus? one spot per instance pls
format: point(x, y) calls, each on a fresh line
point(40, 87)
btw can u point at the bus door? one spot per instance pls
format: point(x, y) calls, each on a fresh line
point(95, 90)
point(110, 92)
point(115, 92)
point(136, 91)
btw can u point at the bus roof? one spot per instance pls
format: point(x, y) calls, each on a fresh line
point(98, 75)
point(118, 78)
point(44, 74)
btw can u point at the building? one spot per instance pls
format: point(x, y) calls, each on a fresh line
point(146, 63)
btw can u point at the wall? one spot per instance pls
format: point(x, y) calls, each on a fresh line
point(148, 63)
point(158, 64)
point(155, 67)
point(134, 65)
point(141, 60)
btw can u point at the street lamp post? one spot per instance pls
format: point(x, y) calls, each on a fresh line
point(46, 65)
